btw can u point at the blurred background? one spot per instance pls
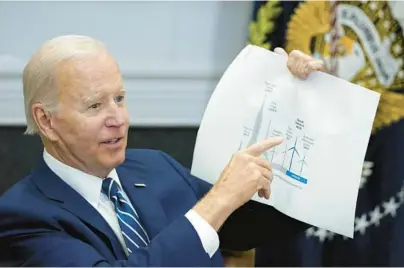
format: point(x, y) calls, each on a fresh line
point(173, 53)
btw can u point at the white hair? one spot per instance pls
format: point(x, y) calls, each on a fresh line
point(39, 73)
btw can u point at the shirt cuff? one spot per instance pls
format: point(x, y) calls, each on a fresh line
point(208, 236)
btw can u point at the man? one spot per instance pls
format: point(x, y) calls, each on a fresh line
point(91, 202)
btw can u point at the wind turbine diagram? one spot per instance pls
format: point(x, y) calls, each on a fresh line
point(289, 171)
point(294, 150)
point(277, 165)
point(283, 159)
point(304, 163)
point(284, 155)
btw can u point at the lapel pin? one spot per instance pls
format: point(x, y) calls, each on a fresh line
point(140, 185)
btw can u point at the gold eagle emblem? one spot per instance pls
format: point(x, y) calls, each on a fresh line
point(370, 45)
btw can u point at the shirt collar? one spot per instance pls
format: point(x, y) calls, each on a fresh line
point(88, 186)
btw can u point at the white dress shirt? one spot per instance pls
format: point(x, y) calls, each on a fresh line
point(89, 187)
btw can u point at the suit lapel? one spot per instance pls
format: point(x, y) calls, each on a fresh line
point(149, 208)
point(56, 189)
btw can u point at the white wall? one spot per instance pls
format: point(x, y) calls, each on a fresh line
point(171, 53)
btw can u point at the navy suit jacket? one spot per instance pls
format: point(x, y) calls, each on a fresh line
point(44, 222)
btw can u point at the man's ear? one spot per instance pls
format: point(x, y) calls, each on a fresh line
point(43, 120)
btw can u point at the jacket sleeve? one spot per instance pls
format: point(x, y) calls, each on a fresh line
point(26, 241)
point(251, 225)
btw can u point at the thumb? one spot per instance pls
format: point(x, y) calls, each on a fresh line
point(260, 147)
point(280, 51)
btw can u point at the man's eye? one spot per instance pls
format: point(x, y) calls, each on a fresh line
point(95, 105)
point(119, 99)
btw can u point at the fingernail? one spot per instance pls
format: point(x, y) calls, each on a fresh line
point(317, 64)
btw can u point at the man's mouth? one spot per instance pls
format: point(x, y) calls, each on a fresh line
point(112, 141)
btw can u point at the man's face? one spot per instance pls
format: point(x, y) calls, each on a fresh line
point(91, 121)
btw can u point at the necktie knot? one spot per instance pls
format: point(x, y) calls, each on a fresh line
point(110, 188)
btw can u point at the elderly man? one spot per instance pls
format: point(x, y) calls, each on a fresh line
point(91, 202)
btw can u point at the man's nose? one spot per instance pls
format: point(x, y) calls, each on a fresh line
point(116, 117)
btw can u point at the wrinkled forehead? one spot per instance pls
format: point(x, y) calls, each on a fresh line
point(80, 78)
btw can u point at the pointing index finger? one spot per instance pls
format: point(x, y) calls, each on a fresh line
point(260, 147)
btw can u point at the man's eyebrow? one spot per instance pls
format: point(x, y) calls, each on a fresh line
point(92, 98)
point(97, 96)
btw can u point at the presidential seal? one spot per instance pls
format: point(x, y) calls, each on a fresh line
point(370, 47)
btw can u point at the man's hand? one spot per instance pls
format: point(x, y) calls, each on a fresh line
point(245, 174)
point(300, 64)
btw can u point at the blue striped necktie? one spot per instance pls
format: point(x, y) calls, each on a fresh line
point(134, 234)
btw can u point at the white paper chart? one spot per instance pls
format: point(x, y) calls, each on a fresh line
point(325, 121)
